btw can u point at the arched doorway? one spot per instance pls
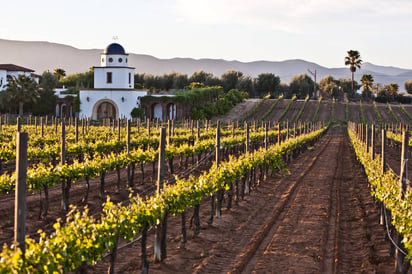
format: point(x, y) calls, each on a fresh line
point(171, 111)
point(104, 109)
point(157, 111)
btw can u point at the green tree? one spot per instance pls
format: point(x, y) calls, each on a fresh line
point(180, 81)
point(79, 80)
point(353, 61)
point(48, 81)
point(329, 85)
point(230, 79)
point(201, 77)
point(266, 83)
point(367, 83)
point(346, 85)
point(20, 90)
point(408, 86)
point(47, 100)
point(393, 89)
point(139, 80)
point(284, 90)
point(167, 81)
point(301, 85)
point(59, 73)
point(245, 84)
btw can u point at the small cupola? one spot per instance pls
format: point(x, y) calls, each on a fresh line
point(114, 55)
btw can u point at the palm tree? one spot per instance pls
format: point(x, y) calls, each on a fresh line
point(22, 89)
point(367, 82)
point(59, 73)
point(393, 90)
point(353, 61)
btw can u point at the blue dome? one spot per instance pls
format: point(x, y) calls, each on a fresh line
point(114, 48)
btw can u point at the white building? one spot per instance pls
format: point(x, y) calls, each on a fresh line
point(8, 71)
point(113, 95)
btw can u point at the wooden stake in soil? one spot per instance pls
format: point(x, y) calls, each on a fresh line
point(219, 193)
point(383, 153)
point(65, 184)
point(18, 124)
point(160, 235)
point(41, 127)
point(400, 265)
point(20, 193)
point(373, 142)
point(129, 179)
point(247, 150)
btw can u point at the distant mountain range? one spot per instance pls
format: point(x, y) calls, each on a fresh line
point(43, 56)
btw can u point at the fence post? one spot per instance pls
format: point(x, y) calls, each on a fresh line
point(20, 193)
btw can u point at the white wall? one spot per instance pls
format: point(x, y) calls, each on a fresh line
point(3, 79)
point(104, 60)
point(5, 73)
point(131, 100)
point(120, 78)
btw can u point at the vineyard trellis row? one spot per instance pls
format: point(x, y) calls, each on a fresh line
point(386, 188)
point(41, 175)
point(85, 240)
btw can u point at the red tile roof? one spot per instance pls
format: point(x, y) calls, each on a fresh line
point(12, 67)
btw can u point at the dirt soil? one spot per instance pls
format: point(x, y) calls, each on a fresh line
point(385, 114)
point(293, 111)
point(340, 110)
point(317, 217)
point(239, 112)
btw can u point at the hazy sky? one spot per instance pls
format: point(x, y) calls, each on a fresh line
point(320, 31)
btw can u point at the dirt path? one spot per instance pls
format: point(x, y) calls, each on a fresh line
point(326, 225)
point(318, 217)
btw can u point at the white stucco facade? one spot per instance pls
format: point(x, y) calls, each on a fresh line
point(113, 95)
point(122, 78)
point(123, 102)
point(3, 79)
point(10, 70)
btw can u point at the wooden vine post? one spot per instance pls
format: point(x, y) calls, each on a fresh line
point(41, 127)
point(383, 170)
point(148, 127)
point(367, 138)
point(65, 183)
point(161, 227)
point(247, 150)
point(76, 130)
point(400, 264)
point(220, 192)
point(373, 142)
point(129, 178)
point(18, 124)
point(279, 133)
point(20, 193)
point(197, 131)
point(266, 148)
